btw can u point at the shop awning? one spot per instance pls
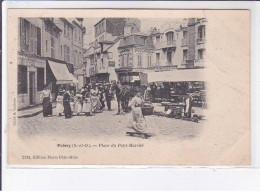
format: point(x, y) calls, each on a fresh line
point(60, 72)
point(187, 75)
point(74, 80)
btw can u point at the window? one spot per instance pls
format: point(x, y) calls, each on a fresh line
point(143, 39)
point(200, 54)
point(52, 47)
point(40, 79)
point(75, 57)
point(76, 34)
point(66, 53)
point(169, 36)
point(158, 39)
point(68, 31)
point(30, 37)
point(132, 30)
point(61, 51)
point(139, 60)
point(79, 35)
point(126, 58)
point(22, 79)
point(122, 61)
point(149, 60)
point(65, 29)
point(169, 58)
point(46, 45)
point(157, 58)
point(39, 41)
point(185, 55)
point(201, 32)
point(185, 34)
point(109, 55)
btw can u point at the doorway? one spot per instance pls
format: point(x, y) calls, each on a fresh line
point(32, 87)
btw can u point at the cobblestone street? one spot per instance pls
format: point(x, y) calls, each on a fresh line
point(106, 125)
point(185, 140)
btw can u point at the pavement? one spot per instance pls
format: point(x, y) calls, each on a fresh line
point(35, 110)
point(105, 124)
point(32, 111)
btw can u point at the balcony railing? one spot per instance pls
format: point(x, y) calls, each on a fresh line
point(166, 44)
point(184, 42)
point(187, 63)
point(201, 40)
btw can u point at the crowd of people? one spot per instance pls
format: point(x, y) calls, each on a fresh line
point(92, 98)
point(95, 98)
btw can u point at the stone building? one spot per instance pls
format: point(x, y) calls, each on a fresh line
point(135, 55)
point(193, 39)
point(108, 31)
point(45, 56)
point(31, 64)
point(90, 67)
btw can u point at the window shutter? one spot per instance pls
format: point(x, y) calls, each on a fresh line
point(27, 33)
point(22, 35)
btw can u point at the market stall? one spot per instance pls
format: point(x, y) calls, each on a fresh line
point(178, 90)
point(172, 86)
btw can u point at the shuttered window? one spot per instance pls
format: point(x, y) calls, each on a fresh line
point(30, 37)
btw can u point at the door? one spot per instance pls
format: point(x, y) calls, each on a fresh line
point(32, 87)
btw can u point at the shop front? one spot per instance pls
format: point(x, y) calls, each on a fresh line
point(31, 78)
point(131, 77)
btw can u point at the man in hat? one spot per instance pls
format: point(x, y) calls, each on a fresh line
point(109, 96)
point(118, 89)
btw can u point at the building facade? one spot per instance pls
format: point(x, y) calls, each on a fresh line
point(177, 45)
point(108, 32)
point(42, 40)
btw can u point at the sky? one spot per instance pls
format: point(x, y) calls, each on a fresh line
point(146, 25)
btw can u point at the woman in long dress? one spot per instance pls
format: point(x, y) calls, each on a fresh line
point(96, 105)
point(46, 99)
point(66, 104)
point(137, 120)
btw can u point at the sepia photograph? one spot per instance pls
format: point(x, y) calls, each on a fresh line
point(118, 90)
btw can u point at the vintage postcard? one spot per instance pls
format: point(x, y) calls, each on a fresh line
point(128, 87)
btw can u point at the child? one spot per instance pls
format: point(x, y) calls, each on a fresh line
point(59, 106)
point(78, 103)
point(87, 106)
